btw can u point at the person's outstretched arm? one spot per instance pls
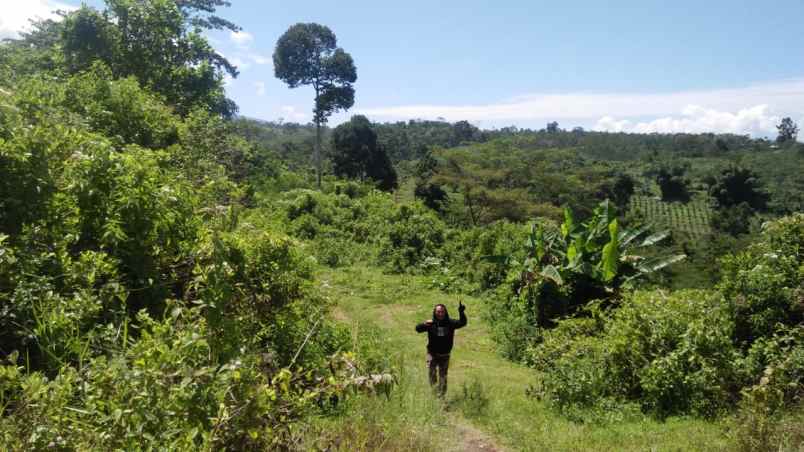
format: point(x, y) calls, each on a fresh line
point(462, 319)
point(424, 326)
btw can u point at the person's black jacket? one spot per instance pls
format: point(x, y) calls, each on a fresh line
point(440, 334)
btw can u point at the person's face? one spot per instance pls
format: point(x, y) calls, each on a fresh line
point(440, 312)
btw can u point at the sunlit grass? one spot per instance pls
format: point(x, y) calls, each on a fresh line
point(412, 417)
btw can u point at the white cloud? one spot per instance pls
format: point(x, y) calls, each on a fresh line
point(16, 14)
point(755, 120)
point(260, 88)
point(241, 38)
point(741, 110)
point(259, 59)
point(291, 112)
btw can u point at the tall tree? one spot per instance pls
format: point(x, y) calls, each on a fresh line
point(673, 185)
point(308, 54)
point(736, 185)
point(787, 131)
point(357, 154)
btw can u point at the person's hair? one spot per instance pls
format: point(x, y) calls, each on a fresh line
point(446, 312)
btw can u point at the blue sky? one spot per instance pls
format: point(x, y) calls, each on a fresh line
point(730, 66)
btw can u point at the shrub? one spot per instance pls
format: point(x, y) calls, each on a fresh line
point(163, 390)
point(763, 422)
point(413, 235)
point(465, 250)
point(670, 353)
point(764, 284)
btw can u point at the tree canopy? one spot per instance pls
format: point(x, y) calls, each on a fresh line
point(308, 54)
point(159, 42)
point(736, 185)
point(788, 130)
point(356, 154)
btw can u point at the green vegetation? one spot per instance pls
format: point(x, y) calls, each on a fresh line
point(692, 219)
point(308, 54)
point(175, 278)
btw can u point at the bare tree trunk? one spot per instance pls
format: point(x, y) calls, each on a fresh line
point(318, 153)
point(468, 200)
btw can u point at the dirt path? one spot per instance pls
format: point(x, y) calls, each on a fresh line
point(473, 439)
point(395, 304)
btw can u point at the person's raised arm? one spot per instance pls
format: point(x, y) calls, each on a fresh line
point(424, 326)
point(462, 319)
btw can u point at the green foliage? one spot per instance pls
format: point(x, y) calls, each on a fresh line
point(692, 351)
point(735, 185)
point(359, 218)
point(431, 195)
point(621, 190)
point(672, 354)
point(691, 219)
point(414, 234)
point(764, 283)
point(788, 130)
point(121, 109)
point(672, 184)
point(565, 269)
point(162, 390)
point(474, 399)
point(160, 43)
point(136, 310)
point(307, 54)
point(763, 421)
point(412, 139)
point(356, 154)
point(466, 251)
point(506, 179)
point(733, 220)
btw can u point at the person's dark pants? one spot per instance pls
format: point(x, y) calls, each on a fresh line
point(438, 365)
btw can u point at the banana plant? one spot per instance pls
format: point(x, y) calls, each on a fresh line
point(597, 248)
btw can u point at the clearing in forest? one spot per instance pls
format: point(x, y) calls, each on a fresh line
point(487, 407)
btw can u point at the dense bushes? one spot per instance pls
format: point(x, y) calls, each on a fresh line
point(689, 351)
point(136, 311)
point(413, 235)
point(764, 284)
point(400, 237)
point(670, 353)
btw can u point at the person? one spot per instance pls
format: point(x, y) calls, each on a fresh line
point(440, 334)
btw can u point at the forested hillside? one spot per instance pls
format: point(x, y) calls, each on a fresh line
point(175, 276)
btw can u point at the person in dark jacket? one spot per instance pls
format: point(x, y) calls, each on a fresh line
point(440, 334)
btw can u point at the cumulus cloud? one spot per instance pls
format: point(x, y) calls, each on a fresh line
point(16, 15)
point(740, 110)
point(260, 88)
point(696, 119)
point(241, 38)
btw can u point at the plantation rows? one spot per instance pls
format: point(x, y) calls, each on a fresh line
point(691, 218)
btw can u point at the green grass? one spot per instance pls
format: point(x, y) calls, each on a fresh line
point(486, 404)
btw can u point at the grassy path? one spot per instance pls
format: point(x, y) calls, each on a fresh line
point(486, 407)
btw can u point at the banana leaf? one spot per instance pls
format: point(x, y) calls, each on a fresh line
point(655, 238)
point(552, 273)
point(610, 257)
point(659, 263)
